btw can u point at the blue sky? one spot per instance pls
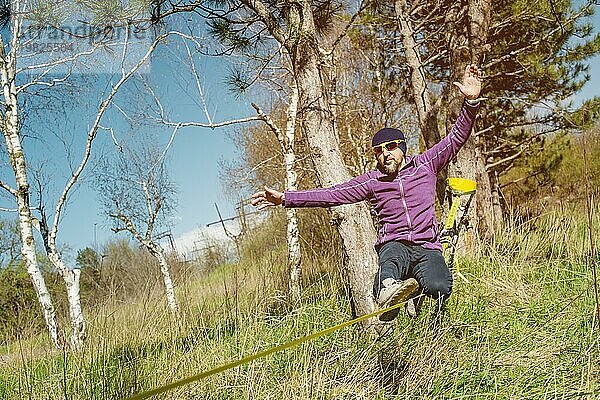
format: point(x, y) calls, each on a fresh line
point(194, 155)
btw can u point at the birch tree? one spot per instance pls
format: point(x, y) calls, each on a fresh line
point(286, 141)
point(137, 196)
point(10, 126)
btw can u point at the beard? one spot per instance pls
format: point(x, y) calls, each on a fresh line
point(391, 166)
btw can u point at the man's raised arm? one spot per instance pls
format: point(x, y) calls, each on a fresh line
point(439, 155)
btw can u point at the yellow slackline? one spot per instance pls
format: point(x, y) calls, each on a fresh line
point(451, 218)
point(250, 358)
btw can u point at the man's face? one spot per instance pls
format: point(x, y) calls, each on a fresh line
point(390, 157)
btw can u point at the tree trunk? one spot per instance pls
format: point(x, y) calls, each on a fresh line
point(468, 29)
point(29, 257)
point(157, 251)
point(353, 221)
point(496, 201)
point(26, 235)
point(10, 130)
point(71, 279)
point(293, 239)
point(294, 255)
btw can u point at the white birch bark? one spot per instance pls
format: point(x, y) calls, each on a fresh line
point(286, 142)
point(153, 206)
point(10, 131)
point(291, 177)
point(28, 250)
point(71, 279)
point(157, 251)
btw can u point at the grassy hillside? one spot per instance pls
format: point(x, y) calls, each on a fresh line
point(521, 328)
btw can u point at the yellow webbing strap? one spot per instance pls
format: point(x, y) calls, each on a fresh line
point(452, 213)
point(250, 358)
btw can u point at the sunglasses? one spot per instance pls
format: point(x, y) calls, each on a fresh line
point(389, 146)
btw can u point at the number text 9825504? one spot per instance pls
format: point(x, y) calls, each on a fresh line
point(48, 47)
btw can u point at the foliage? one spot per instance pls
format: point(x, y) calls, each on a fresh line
point(124, 272)
point(536, 59)
point(120, 274)
point(529, 91)
point(18, 301)
point(5, 13)
point(88, 258)
point(260, 163)
point(20, 314)
point(10, 243)
point(555, 174)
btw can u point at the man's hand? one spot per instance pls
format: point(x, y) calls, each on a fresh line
point(471, 84)
point(267, 198)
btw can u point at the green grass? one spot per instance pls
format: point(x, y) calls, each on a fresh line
point(522, 328)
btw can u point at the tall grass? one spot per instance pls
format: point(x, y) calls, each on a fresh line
point(522, 328)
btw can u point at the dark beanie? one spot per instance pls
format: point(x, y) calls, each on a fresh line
point(387, 135)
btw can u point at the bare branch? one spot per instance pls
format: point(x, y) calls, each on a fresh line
point(61, 61)
point(52, 83)
point(93, 130)
point(129, 227)
point(198, 85)
point(213, 125)
point(151, 213)
point(271, 124)
point(8, 188)
point(166, 149)
point(491, 166)
point(361, 8)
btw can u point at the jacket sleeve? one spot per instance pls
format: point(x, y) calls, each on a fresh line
point(440, 154)
point(353, 191)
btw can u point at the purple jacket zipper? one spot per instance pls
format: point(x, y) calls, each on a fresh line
point(406, 210)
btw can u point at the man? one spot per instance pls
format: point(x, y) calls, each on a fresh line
point(402, 192)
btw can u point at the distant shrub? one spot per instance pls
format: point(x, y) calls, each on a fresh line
point(17, 302)
point(555, 174)
point(123, 272)
point(20, 311)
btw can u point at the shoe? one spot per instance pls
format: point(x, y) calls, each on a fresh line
point(395, 292)
point(413, 306)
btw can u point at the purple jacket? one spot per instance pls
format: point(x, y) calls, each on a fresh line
point(404, 203)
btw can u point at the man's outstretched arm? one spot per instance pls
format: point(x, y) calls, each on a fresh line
point(353, 191)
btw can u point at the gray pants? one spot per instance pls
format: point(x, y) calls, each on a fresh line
point(401, 260)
